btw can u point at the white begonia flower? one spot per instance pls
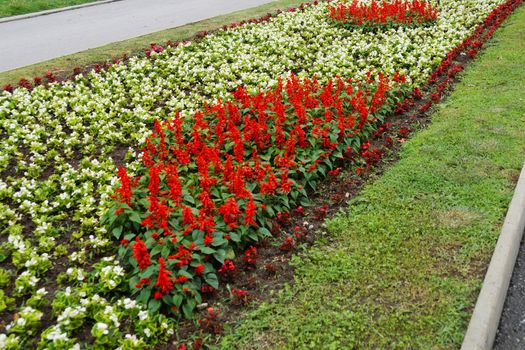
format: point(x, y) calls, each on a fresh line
point(57, 335)
point(143, 315)
point(101, 326)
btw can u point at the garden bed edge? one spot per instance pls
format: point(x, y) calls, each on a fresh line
point(484, 323)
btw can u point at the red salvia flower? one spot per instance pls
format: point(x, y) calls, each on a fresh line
point(164, 281)
point(183, 255)
point(251, 209)
point(230, 211)
point(208, 239)
point(124, 193)
point(141, 254)
point(199, 269)
point(206, 201)
point(154, 180)
point(174, 185)
point(187, 215)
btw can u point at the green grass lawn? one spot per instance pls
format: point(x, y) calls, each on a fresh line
point(405, 262)
point(19, 7)
point(65, 65)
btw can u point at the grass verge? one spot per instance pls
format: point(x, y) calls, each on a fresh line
point(402, 267)
point(64, 65)
point(20, 7)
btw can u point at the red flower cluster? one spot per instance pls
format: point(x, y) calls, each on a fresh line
point(287, 245)
point(240, 296)
point(215, 180)
point(140, 253)
point(124, 192)
point(383, 13)
point(164, 281)
point(250, 256)
point(227, 266)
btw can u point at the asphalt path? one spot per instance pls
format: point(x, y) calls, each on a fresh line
point(32, 40)
point(511, 331)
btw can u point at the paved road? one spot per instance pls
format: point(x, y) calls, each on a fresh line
point(38, 39)
point(511, 332)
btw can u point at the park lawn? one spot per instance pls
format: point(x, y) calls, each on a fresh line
point(20, 7)
point(403, 266)
point(64, 66)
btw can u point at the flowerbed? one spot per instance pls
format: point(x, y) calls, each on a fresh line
point(61, 282)
point(207, 182)
point(383, 14)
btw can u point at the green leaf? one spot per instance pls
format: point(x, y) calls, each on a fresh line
point(129, 236)
point(117, 231)
point(187, 308)
point(144, 202)
point(148, 272)
point(156, 249)
point(230, 254)
point(144, 296)
point(132, 282)
point(219, 241)
point(177, 300)
point(212, 280)
point(207, 250)
point(135, 217)
point(154, 305)
point(189, 198)
point(264, 232)
point(303, 192)
point(235, 237)
point(220, 255)
point(165, 250)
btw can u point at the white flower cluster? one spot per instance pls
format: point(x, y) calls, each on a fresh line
point(57, 172)
point(26, 322)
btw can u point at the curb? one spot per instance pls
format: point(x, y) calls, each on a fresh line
point(485, 318)
point(58, 10)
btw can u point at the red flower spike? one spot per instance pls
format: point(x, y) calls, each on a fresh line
point(124, 192)
point(141, 254)
point(164, 281)
point(199, 269)
point(250, 212)
point(208, 239)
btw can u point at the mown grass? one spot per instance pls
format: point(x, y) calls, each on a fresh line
point(403, 266)
point(19, 7)
point(66, 64)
